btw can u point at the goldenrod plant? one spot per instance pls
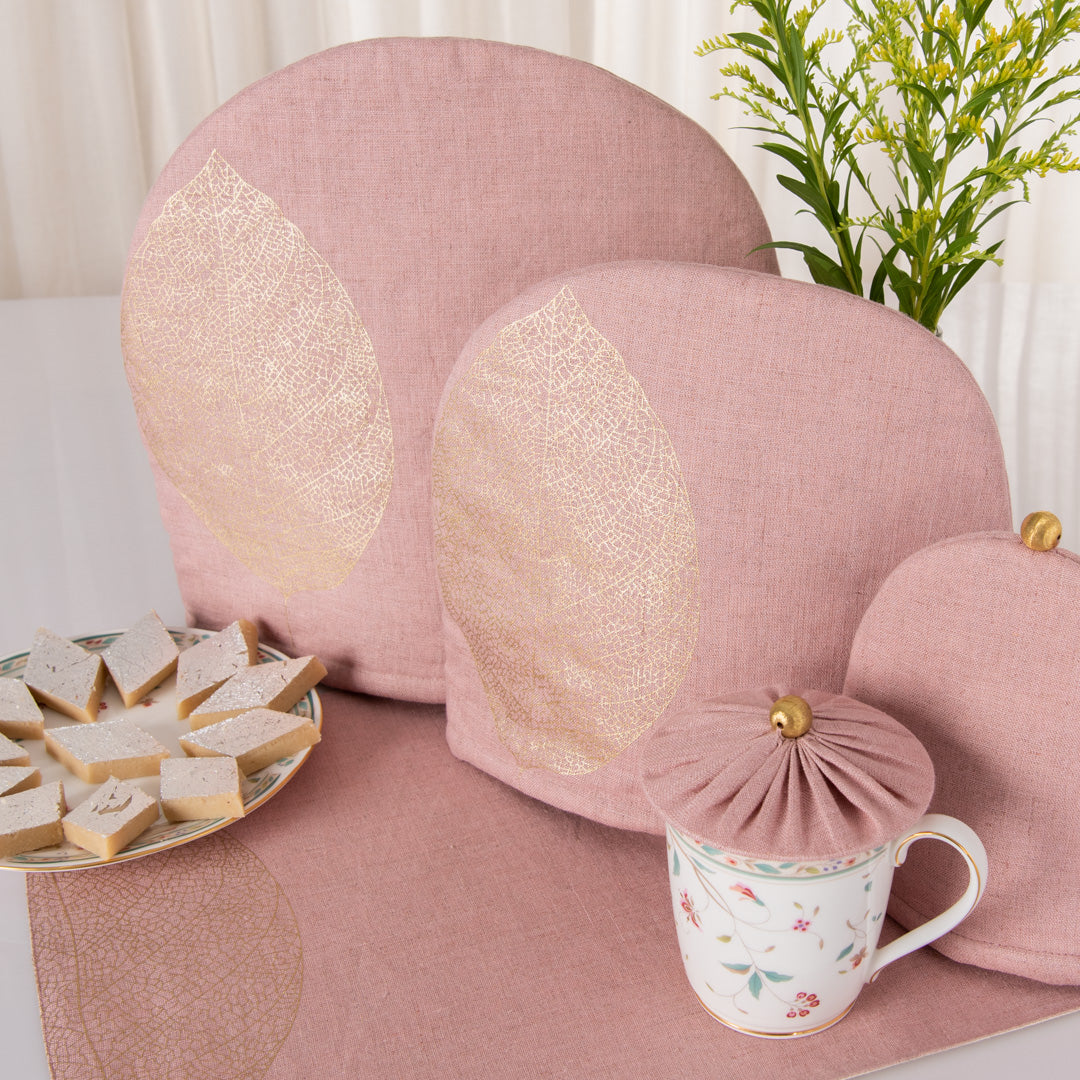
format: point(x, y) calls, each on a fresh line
point(965, 104)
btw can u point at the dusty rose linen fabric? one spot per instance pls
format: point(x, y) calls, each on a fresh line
point(973, 645)
point(445, 926)
point(436, 178)
point(719, 772)
point(820, 440)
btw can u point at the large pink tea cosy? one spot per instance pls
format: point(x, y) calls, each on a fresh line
point(972, 644)
point(303, 276)
point(658, 482)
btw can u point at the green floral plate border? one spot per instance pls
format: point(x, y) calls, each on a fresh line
point(161, 721)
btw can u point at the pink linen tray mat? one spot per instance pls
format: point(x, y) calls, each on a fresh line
point(395, 912)
point(303, 276)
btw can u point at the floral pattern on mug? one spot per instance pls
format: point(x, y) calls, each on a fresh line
point(804, 1002)
point(691, 911)
point(750, 941)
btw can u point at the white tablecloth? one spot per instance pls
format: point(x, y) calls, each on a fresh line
point(83, 551)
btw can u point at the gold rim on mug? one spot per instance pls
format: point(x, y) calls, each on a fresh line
point(774, 1034)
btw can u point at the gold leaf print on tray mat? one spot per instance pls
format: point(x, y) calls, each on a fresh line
point(256, 384)
point(188, 965)
point(566, 546)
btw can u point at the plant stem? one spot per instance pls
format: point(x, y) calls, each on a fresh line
point(926, 257)
point(815, 155)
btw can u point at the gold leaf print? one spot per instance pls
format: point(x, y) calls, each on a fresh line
point(185, 964)
point(256, 384)
point(567, 550)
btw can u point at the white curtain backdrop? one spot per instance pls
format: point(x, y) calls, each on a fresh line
point(96, 94)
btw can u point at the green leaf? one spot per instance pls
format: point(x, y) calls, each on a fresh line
point(811, 196)
point(765, 868)
point(823, 270)
point(755, 40)
point(951, 43)
point(775, 976)
point(833, 119)
point(928, 95)
point(776, 69)
point(973, 15)
point(792, 156)
point(903, 286)
point(967, 273)
point(979, 101)
point(724, 938)
point(779, 132)
point(739, 969)
point(934, 287)
point(922, 165)
point(675, 867)
point(844, 952)
point(997, 210)
point(754, 985)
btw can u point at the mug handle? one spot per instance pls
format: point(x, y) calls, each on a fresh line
point(958, 835)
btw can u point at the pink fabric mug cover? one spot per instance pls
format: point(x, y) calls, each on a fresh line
point(719, 772)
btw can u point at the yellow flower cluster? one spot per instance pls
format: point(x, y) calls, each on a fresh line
point(940, 71)
point(1060, 160)
point(972, 125)
point(926, 83)
point(946, 20)
point(883, 132)
point(830, 37)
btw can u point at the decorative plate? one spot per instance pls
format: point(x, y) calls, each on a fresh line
point(156, 713)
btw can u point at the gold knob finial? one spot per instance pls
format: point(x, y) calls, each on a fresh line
point(1041, 531)
point(791, 716)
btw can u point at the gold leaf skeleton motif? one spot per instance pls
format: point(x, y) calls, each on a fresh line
point(256, 384)
point(189, 964)
point(566, 545)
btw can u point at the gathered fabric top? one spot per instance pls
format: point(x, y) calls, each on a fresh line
point(720, 772)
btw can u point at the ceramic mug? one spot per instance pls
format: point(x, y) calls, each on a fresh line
point(782, 949)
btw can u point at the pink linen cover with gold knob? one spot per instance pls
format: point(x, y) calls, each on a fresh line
point(719, 772)
point(972, 644)
point(303, 276)
point(658, 482)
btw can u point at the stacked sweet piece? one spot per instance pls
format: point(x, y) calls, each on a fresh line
point(218, 679)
